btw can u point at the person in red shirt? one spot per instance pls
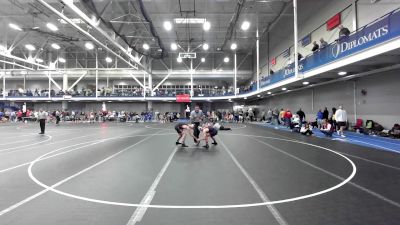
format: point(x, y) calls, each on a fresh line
point(19, 115)
point(288, 115)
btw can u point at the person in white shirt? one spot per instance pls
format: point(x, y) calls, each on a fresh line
point(42, 117)
point(326, 128)
point(187, 112)
point(341, 119)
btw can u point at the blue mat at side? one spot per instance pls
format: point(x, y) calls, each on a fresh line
point(381, 143)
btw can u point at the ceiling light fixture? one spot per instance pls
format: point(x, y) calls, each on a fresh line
point(245, 25)
point(38, 60)
point(52, 27)
point(269, 92)
point(190, 20)
point(205, 47)
point(284, 89)
point(61, 60)
point(55, 46)
point(342, 73)
point(179, 59)
point(203, 59)
point(206, 25)
point(306, 83)
point(167, 25)
point(174, 46)
point(30, 47)
point(89, 45)
point(14, 26)
point(226, 59)
point(233, 46)
point(108, 59)
point(146, 46)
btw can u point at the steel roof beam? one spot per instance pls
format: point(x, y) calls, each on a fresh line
point(87, 34)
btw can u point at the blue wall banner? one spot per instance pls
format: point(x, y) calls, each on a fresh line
point(382, 30)
point(306, 40)
point(286, 53)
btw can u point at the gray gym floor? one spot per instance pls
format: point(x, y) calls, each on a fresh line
point(80, 174)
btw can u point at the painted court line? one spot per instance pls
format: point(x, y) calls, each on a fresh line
point(82, 198)
point(148, 197)
point(74, 149)
point(48, 157)
point(51, 143)
point(347, 154)
point(278, 217)
point(23, 146)
point(379, 196)
point(48, 188)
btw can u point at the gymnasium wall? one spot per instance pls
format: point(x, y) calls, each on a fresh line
point(381, 103)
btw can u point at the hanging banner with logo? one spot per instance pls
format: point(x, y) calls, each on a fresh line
point(183, 98)
point(306, 40)
point(385, 29)
point(286, 53)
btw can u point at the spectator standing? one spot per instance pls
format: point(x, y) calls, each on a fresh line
point(269, 116)
point(251, 115)
point(275, 116)
point(302, 116)
point(19, 115)
point(287, 117)
point(58, 117)
point(325, 114)
point(299, 56)
point(196, 117)
point(187, 112)
point(320, 117)
point(315, 46)
point(42, 117)
point(341, 119)
point(333, 118)
point(263, 115)
point(323, 43)
point(282, 116)
point(343, 31)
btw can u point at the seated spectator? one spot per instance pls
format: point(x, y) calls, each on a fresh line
point(271, 72)
point(218, 126)
point(327, 128)
point(395, 131)
point(323, 43)
point(295, 123)
point(306, 129)
point(315, 46)
point(343, 31)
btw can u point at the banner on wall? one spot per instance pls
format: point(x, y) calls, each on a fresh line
point(286, 53)
point(306, 40)
point(183, 98)
point(333, 22)
point(381, 31)
point(273, 61)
